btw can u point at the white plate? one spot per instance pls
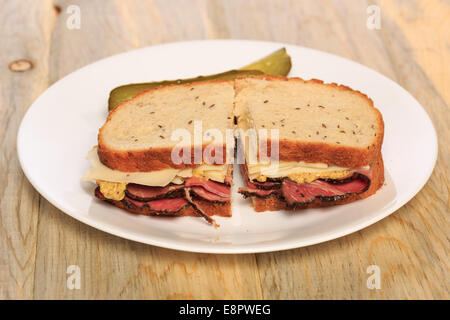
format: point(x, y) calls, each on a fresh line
point(61, 127)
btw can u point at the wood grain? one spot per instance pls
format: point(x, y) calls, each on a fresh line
point(38, 242)
point(19, 202)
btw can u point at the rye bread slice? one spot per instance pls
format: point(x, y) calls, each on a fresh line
point(137, 134)
point(317, 122)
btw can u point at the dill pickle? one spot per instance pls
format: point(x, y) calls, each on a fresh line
point(277, 63)
point(129, 91)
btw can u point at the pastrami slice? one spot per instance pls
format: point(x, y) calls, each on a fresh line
point(295, 193)
point(208, 196)
point(217, 188)
point(252, 190)
point(206, 189)
point(302, 193)
point(146, 193)
point(166, 204)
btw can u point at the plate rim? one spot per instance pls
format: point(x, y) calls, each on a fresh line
point(232, 249)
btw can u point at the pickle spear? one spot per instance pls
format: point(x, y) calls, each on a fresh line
point(129, 91)
point(277, 63)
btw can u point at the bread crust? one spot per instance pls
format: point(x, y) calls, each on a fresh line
point(273, 203)
point(331, 154)
point(155, 158)
point(149, 160)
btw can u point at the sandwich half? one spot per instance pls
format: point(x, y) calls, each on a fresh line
point(159, 153)
point(329, 143)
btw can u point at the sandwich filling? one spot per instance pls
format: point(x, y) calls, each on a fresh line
point(300, 172)
point(302, 188)
point(163, 192)
point(115, 180)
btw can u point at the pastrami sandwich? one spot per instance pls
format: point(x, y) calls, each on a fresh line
point(328, 148)
point(168, 151)
point(163, 153)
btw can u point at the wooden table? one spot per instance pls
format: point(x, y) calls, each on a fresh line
point(38, 242)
